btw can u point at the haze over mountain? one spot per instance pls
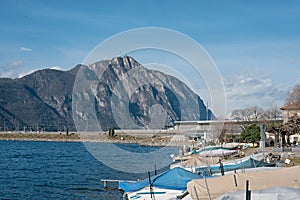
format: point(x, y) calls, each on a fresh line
point(43, 100)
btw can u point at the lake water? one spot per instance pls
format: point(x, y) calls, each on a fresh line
point(58, 170)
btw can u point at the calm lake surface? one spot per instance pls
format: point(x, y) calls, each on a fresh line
point(58, 170)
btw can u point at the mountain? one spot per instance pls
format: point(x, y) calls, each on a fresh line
point(126, 94)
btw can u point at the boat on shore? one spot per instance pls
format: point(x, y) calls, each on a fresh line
point(213, 165)
point(171, 184)
point(215, 187)
point(215, 151)
point(208, 151)
point(274, 193)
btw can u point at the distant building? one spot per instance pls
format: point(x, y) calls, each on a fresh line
point(291, 110)
point(209, 129)
point(224, 131)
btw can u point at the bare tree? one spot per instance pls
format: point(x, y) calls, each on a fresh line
point(241, 114)
point(256, 112)
point(272, 113)
point(236, 114)
point(294, 95)
point(248, 114)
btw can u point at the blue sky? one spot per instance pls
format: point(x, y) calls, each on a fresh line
point(255, 44)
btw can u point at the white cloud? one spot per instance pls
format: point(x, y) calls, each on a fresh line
point(25, 49)
point(56, 68)
point(279, 58)
point(253, 89)
point(11, 70)
point(15, 69)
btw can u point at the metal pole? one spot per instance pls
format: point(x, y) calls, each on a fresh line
point(235, 182)
point(151, 189)
point(248, 192)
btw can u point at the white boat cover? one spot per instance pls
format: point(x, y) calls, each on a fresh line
point(158, 193)
point(218, 186)
point(275, 193)
point(217, 153)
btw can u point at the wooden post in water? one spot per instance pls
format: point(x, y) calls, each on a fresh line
point(104, 184)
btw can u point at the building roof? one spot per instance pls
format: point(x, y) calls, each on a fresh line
point(291, 106)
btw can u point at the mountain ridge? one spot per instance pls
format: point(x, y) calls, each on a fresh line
point(42, 100)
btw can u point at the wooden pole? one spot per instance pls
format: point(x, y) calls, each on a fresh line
point(197, 198)
point(207, 189)
point(105, 184)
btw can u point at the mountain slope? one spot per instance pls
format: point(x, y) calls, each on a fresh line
point(43, 99)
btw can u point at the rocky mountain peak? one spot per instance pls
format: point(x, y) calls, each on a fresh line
point(43, 99)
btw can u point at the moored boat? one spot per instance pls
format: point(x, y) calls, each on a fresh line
point(213, 165)
point(274, 193)
point(215, 187)
point(167, 185)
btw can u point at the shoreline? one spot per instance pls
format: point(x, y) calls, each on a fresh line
point(97, 138)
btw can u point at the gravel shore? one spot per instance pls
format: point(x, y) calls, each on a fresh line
point(141, 139)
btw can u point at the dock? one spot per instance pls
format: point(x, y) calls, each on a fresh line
point(106, 181)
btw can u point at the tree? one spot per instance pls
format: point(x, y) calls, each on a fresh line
point(293, 125)
point(290, 128)
point(241, 114)
point(256, 112)
point(251, 134)
point(294, 95)
point(252, 113)
point(272, 113)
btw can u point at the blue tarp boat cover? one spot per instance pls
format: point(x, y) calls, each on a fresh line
point(249, 163)
point(176, 179)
